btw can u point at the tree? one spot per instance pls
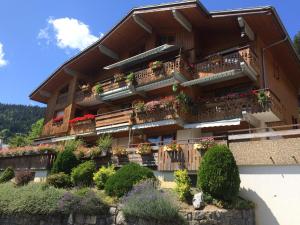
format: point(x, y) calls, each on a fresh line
point(36, 130)
point(65, 162)
point(218, 174)
point(297, 42)
point(18, 140)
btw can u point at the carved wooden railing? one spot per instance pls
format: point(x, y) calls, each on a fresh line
point(149, 75)
point(229, 107)
point(81, 127)
point(114, 118)
point(222, 63)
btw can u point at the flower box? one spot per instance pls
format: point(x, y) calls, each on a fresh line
point(82, 120)
point(144, 149)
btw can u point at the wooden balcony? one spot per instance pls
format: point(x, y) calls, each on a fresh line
point(83, 127)
point(219, 68)
point(236, 106)
point(150, 160)
point(187, 158)
point(113, 121)
point(87, 98)
point(173, 71)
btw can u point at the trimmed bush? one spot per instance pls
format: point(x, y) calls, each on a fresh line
point(65, 162)
point(124, 179)
point(24, 177)
point(147, 203)
point(7, 175)
point(183, 184)
point(218, 174)
point(59, 180)
point(102, 176)
point(82, 175)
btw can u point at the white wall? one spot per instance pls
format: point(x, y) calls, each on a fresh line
point(276, 192)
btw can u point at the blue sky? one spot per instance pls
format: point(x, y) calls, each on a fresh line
point(35, 35)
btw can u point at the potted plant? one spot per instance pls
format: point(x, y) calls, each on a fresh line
point(104, 143)
point(118, 77)
point(204, 144)
point(152, 106)
point(172, 147)
point(144, 149)
point(98, 89)
point(119, 151)
point(58, 120)
point(130, 78)
point(156, 65)
point(262, 98)
point(139, 107)
point(183, 102)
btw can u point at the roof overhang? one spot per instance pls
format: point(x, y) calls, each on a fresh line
point(152, 16)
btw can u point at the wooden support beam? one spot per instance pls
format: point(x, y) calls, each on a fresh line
point(246, 30)
point(142, 23)
point(45, 94)
point(182, 20)
point(108, 52)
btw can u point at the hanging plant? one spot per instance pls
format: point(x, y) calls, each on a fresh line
point(118, 77)
point(172, 147)
point(119, 151)
point(130, 78)
point(183, 101)
point(175, 88)
point(98, 89)
point(262, 98)
point(204, 144)
point(144, 149)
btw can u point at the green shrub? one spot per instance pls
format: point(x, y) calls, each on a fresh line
point(123, 180)
point(72, 145)
point(82, 175)
point(41, 199)
point(98, 89)
point(145, 202)
point(183, 184)
point(59, 180)
point(7, 175)
point(24, 177)
point(82, 201)
point(65, 162)
point(105, 142)
point(30, 199)
point(218, 174)
point(102, 176)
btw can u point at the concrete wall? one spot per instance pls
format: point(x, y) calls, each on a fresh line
point(276, 192)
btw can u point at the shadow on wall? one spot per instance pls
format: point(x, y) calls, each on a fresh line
point(262, 211)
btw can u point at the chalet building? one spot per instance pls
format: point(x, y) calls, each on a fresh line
point(175, 72)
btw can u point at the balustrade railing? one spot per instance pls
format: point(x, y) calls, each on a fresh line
point(221, 63)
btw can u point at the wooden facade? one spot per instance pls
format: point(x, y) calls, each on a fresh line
point(230, 77)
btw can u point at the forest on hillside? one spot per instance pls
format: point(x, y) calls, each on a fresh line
point(17, 119)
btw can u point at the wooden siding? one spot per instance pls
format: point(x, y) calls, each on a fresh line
point(82, 127)
point(114, 118)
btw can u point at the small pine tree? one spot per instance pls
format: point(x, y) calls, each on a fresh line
point(65, 162)
point(218, 174)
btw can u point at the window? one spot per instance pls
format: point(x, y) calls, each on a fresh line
point(161, 140)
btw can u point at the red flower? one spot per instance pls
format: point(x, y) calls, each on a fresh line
point(83, 118)
point(58, 119)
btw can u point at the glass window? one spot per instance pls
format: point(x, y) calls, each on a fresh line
point(166, 139)
point(154, 140)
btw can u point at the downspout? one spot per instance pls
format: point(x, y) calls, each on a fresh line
point(263, 59)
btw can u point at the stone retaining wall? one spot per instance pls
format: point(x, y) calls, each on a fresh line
point(115, 217)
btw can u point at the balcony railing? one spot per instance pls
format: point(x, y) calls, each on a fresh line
point(218, 68)
point(118, 86)
point(234, 105)
point(113, 119)
point(83, 127)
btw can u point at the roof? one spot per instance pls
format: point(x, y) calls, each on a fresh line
point(194, 3)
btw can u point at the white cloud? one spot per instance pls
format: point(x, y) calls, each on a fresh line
point(3, 61)
point(68, 33)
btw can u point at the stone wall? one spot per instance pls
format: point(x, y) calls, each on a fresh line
point(115, 217)
point(220, 217)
